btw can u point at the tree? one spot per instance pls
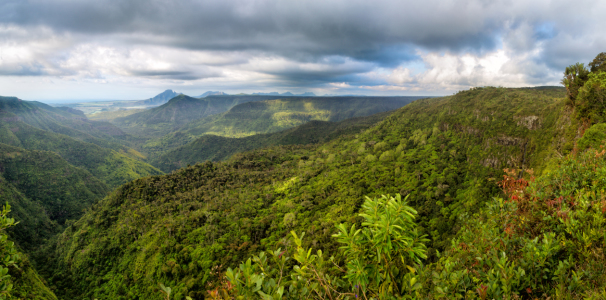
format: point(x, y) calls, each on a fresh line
point(591, 98)
point(386, 245)
point(599, 63)
point(381, 260)
point(8, 253)
point(574, 78)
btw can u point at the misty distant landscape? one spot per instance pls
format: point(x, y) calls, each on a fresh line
point(302, 150)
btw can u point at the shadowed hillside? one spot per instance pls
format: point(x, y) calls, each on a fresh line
point(178, 111)
point(42, 187)
point(64, 121)
point(274, 115)
point(112, 167)
point(217, 148)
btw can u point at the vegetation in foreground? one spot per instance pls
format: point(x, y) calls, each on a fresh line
point(544, 240)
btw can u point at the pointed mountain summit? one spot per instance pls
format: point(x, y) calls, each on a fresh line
point(211, 93)
point(287, 94)
point(267, 94)
point(160, 98)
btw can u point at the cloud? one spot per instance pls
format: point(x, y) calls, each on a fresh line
point(400, 76)
point(433, 45)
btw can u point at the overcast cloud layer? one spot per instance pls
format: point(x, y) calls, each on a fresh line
point(133, 49)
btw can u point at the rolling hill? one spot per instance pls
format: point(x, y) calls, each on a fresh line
point(269, 116)
point(66, 121)
point(178, 111)
point(43, 189)
point(112, 167)
point(217, 148)
point(185, 228)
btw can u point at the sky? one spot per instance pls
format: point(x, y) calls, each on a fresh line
point(134, 49)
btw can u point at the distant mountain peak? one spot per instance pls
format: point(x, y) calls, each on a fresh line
point(211, 93)
point(287, 94)
point(160, 98)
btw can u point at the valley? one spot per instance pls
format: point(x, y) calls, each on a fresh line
point(302, 150)
point(183, 193)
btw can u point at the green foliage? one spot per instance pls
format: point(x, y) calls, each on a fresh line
point(216, 148)
point(110, 166)
point(63, 121)
point(599, 63)
point(591, 98)
point(35, 225)
point(179, 111)
point(8, 253)
point(186, 228)
point(574, 78)
point(27, 284)
point(594, 137)
point(387, 245)
point(546, 239)
point(18, 279)
point(378, 259)
point(269, 116)
point(63, 190)
point(112, 115)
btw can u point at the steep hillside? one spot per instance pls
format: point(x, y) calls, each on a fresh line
point(112, 167)
point(63, 121)
point(34, 224)
point(217, 148)
point(178, 111)
point(274, 115)
point(183, 229)
point(62, 189)
point(27, 284)
point(45, 191)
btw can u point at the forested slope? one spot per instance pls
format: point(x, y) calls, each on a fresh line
point(217, 148)
point(66, 121)
point(178, 111)
point(40, 185)
point(110, 166)
point(269, 116)
point(35, 224)
point(185, 228)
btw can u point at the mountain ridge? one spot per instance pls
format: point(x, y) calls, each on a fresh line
point(163, 119)
point(217, 148)
point(158, 99)
point(267, 116)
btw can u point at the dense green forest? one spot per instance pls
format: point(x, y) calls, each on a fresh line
point(66, 121)
point(218, 148)
point(491, 193)
point(113, 167)
point(179, 111)
point(56, 164)
point(185, 229)
point(269, 116)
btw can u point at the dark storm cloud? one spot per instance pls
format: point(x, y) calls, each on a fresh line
point(177, 75)
point(319, 41)
point(364, 30)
